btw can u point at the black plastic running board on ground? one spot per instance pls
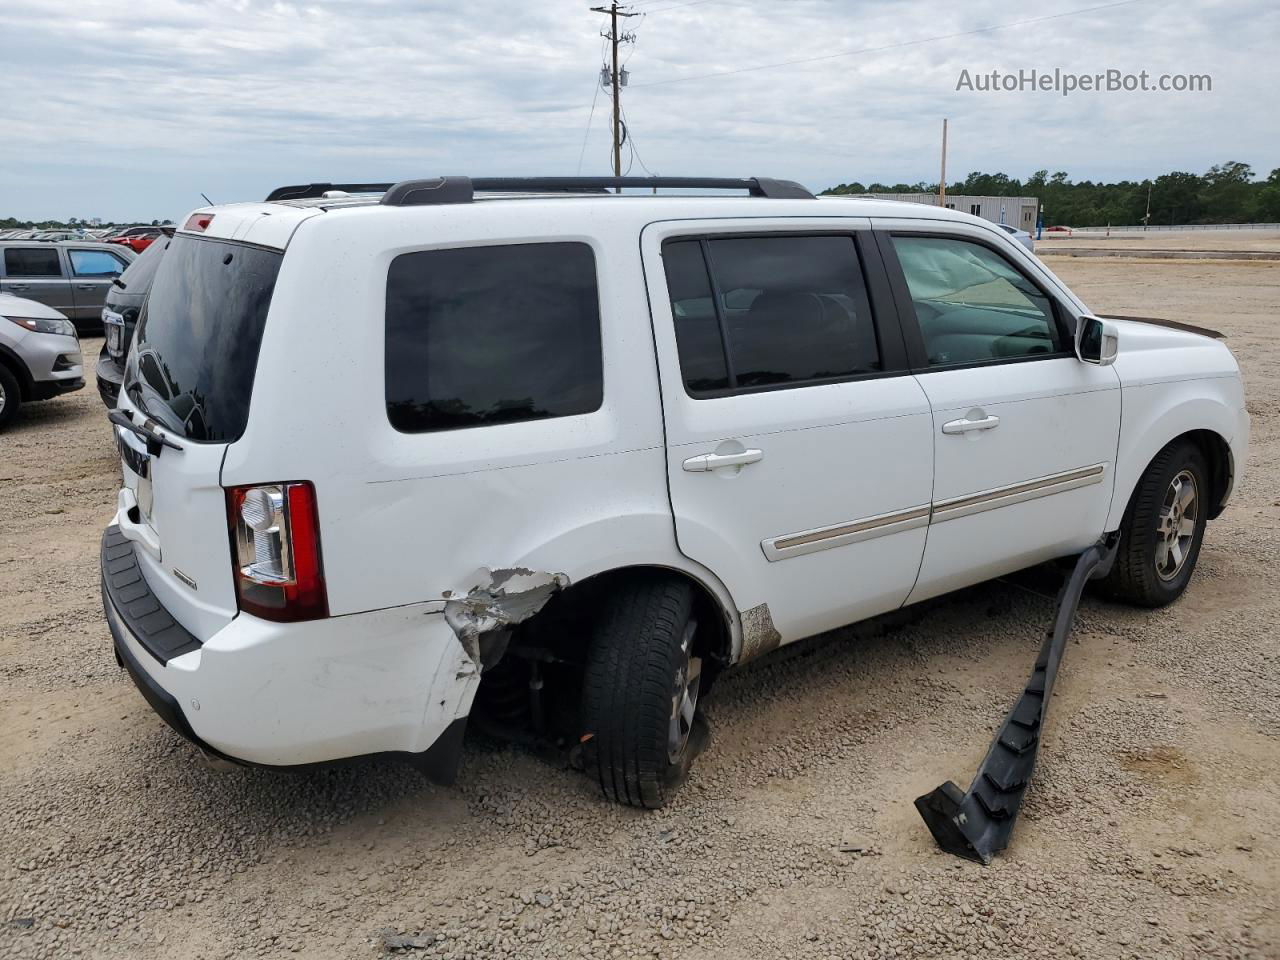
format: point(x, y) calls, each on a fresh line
point(978, 824)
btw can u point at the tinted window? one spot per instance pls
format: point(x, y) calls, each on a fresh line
point(32, 262)
point(95, 263)
point(487, 335)
point(972, 305)
point(196, 346)
point(793, 310)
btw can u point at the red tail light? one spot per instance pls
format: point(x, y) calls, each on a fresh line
point(275, 549)
point(198, 221)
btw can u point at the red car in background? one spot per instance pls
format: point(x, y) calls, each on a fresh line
point(138, 238)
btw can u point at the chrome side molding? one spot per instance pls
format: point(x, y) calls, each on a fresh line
point(883, 524)
point(1017, 492)
point(823, 538)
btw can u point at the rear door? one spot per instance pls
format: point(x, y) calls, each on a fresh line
point(799, 448)
point(36, 271)
point(1024, 434)
point(91, 274)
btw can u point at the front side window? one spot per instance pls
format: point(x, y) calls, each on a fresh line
point(32, 262)
point(487, 335)
point(972, 305)
point(95, 263)
point(756, 312)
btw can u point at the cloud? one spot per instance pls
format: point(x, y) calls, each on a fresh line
point(127, 110)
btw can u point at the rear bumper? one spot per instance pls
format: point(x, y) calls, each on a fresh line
point(110, 377)
point(295, 695)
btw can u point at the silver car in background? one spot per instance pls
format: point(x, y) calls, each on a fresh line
point(39, 355)
point(1021, 236)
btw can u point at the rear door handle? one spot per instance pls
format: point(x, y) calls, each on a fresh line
point(19, 286)
point(85, 286)
point(715, 461)
point(964, 426)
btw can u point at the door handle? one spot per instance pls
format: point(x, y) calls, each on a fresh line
point(964, 426)
point(715, 461)
point(19, 286)
point(84, 286)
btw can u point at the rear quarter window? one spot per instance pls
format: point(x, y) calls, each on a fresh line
point(32, 262)
point(488, 335)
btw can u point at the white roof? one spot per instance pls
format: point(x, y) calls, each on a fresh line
point(272, 224)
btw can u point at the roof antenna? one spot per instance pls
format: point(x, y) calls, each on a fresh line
point(208, 201)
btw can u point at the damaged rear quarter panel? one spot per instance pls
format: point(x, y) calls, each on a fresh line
point(497, 601)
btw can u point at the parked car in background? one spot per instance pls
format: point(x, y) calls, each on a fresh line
point(388, 453)
point(138, 239)
point(1021, 236)
point(71, 276)
point(39, 355)
point(120, 317)
point(62, 235)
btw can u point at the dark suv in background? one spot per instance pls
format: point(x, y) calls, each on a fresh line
point(120, 316)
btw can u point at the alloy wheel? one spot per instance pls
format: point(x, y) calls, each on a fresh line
point(684, 695)
point(1176, 526)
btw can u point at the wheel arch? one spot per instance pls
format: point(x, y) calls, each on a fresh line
point(13, 363)
point(1218, 456)
point(1156, 415)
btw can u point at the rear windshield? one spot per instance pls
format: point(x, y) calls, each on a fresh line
point(196, 347)
point(139, 275)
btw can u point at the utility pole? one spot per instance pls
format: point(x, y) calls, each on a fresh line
point(1147, 219)
point(942, 180)
point(615, 38)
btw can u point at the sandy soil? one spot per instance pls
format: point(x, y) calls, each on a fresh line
point(1151, 830)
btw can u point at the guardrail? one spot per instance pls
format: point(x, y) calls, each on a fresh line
point(1165, 228)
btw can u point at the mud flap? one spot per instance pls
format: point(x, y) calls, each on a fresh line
point(978, 824)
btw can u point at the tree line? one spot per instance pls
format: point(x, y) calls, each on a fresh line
point(1227, 193)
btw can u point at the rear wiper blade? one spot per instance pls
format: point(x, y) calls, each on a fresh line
point(146, 430)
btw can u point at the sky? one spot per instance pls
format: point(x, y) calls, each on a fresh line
point(129, 110)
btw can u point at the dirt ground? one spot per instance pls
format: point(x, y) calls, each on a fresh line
point(1152, 829)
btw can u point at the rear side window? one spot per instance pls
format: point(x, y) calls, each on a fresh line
point(757, 312)
point(32, 262)
point(487, 335)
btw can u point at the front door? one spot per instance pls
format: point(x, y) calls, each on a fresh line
point(799, 448)
point(34, 272)
point(1024, 434)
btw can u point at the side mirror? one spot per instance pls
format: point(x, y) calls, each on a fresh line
point(1097, 341)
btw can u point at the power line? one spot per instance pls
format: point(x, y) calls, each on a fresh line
point(587, 133)
point(889, 46)
point(677, 6)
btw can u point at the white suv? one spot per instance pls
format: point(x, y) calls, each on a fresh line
point(394, 449)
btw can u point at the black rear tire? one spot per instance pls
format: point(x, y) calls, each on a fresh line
point(1139, 575)
point(10, 396)
point(639, 658)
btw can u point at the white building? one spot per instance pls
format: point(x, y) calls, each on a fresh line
point(1016, 211)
